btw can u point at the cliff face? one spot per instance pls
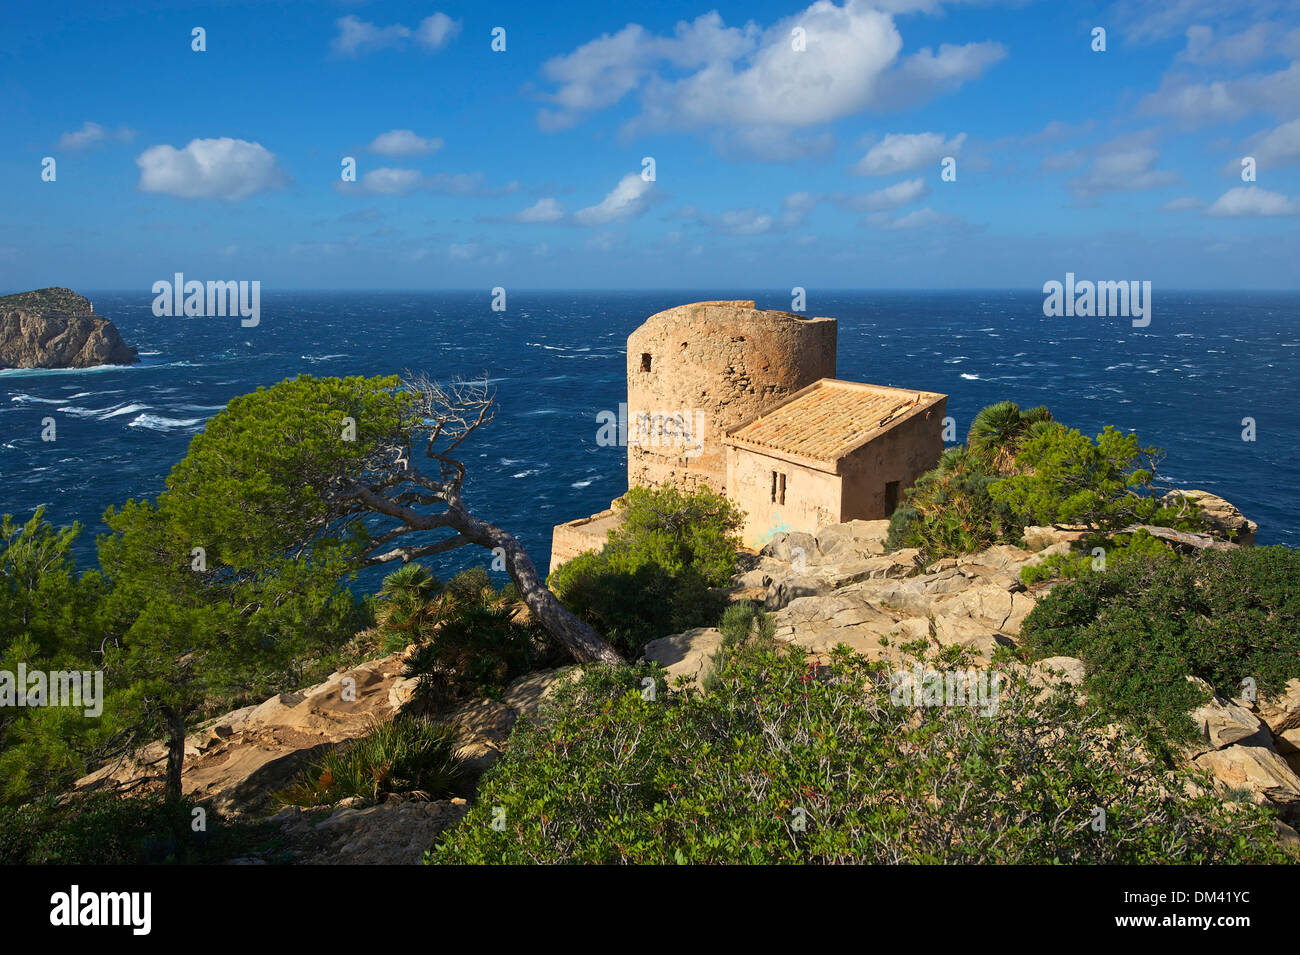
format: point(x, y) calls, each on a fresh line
point(57, 328)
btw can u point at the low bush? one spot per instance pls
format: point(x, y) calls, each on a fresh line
point(112, 829)
point(1146, 622)
point(949, 510)
point(784, 763)
point(655, 574)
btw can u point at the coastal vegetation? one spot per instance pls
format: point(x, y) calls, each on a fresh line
point(1149, 621)
point(659, 569)
point(831, 772)
point(237, 582)
point(1023, 468)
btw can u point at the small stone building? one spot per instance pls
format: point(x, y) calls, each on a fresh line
point(835, 451)
point(744, 401)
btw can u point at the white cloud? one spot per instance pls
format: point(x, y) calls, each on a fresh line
point(903, 152)
point(357, 36)
point(1183, 204)
point(771, 144)
point(404, 142)
point(795, 208)
point(920, 219)
point(1244, 201)
point(91, 134)
point(1063, 161)
point(541, 211)
point(1272, 150)
point(891, 197)
point(210, 169)
point(391, 182)
point(630, 197)
point(1197, 104)
point(1122, 166)
point(740, 222)
point(401, 182)
point(740, 77)
point(1252, 43)
point(436, 31)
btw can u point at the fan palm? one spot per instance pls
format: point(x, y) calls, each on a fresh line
point(999, 431)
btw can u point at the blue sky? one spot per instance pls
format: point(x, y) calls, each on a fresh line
point(816, 167)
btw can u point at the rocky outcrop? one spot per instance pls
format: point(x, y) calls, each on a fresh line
point(482, 726)
point(397, 831)
point(238, 759)
point(1221, 517)
point(57, 328)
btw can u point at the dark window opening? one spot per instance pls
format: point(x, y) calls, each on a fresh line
point(891, 498)
point(645, 362)
point(778, 487)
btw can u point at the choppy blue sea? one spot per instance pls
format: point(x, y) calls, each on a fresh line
point(1185, 383)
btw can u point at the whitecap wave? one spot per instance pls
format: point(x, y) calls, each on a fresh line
point(159, 423)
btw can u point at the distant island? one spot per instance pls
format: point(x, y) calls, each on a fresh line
point(57, 328)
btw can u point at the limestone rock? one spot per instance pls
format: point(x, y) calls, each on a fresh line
point(1281, 712)
point(685, 654)
point(790, 547)
point(482, 728)
point(1040, 538)
point(852, 539)
point(1221, 723)
point(57, 328)
point(1222, 518)
point(240, 758)
point(527, 693)
point(1259, 771)
point(394, 832)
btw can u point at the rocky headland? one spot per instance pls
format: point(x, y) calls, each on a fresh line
point(57, 328)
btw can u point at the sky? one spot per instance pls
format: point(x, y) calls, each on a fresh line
point(915, 144)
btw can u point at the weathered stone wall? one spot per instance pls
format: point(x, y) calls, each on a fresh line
point(903, 453)
point(812, 497)
point(581, 535)
point(716, 363)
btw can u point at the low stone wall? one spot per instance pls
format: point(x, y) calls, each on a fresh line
point(580, 536)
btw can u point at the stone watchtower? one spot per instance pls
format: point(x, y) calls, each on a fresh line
point(713, 365)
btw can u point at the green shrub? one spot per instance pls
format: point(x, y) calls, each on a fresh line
point(680, 532)
point(949, 511)
point(1149, 620)
point(654, 576)
point(1085, 560)
point(469, 638)
point(406, 755)
point(1106, 484)
point(787, 764)
point(112, 829)
point(747, 632)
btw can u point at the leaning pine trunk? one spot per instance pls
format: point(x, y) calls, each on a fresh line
point(581, 638)
point(175, 752)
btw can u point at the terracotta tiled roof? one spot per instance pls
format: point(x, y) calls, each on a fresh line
point(828, 419)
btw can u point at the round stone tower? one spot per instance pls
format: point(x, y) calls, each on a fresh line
point(696, 370)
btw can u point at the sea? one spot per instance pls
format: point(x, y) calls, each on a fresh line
point(1213, 380)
